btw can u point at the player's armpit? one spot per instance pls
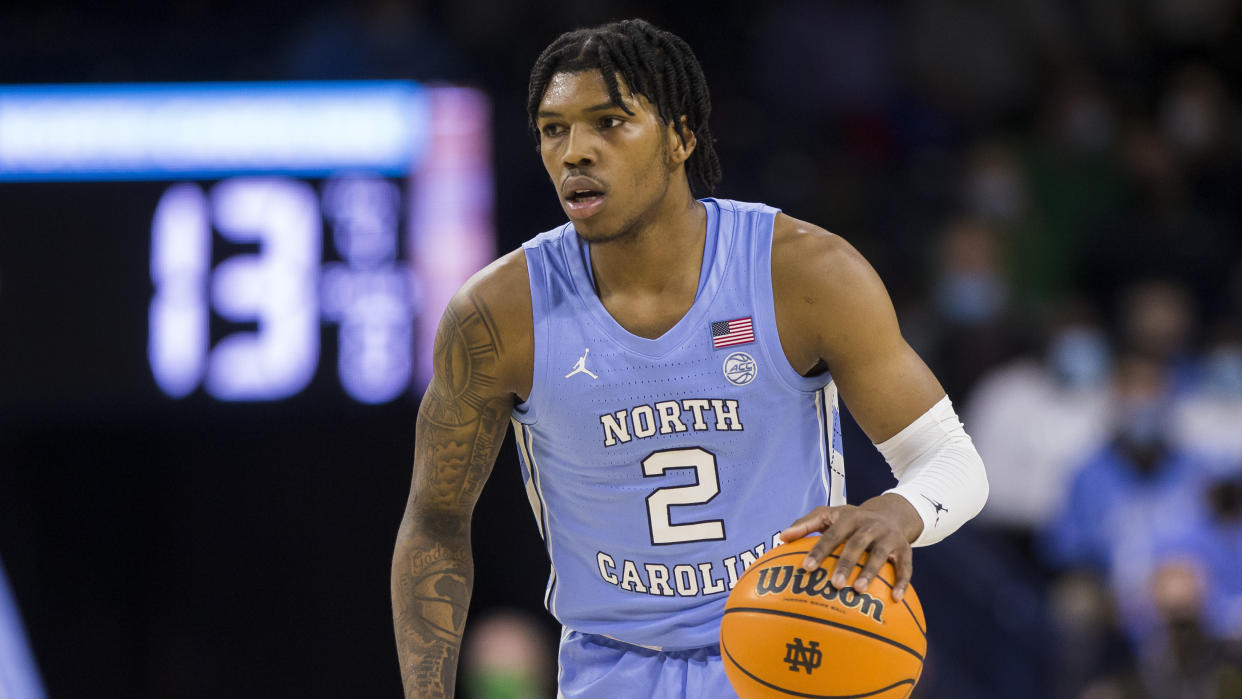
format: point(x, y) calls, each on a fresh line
point(461, 424)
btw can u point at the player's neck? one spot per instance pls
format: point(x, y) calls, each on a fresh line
point(661, 254)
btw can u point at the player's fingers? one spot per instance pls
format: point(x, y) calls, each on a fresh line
point(816, 520)
point(858, 542)
point(828, 542)
point(903, 564)
point(877, 556)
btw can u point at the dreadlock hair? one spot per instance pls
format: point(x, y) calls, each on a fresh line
point(654, 63)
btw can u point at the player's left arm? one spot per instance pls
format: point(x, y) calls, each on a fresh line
point(832, 311)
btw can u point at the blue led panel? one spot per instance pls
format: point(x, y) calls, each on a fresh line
point(210, 130)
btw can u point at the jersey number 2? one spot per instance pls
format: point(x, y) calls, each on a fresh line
point(706, 486)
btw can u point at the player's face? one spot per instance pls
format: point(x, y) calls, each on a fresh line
point(610, 169)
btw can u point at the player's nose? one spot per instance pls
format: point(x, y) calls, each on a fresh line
point(579, 147)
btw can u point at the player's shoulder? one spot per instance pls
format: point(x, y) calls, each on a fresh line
point(504, 285)
point(811, 256)
point(493, 310)
point(500, 289)
point(499, 275)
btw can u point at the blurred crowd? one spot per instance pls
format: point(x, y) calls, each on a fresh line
point(1084, 300)
point(1116, 466)
point(1081, 294)
point(1051, 189)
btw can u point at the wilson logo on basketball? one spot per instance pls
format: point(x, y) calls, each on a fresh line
point(775, 580)
point(805, 657)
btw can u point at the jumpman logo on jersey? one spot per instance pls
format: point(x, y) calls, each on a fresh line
point(580, 367)
point(939, 508)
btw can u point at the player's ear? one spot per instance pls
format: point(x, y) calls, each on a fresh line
point(681, 145)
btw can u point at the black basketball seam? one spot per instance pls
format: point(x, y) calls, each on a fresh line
point(837, 624)
point(914, 617)
point(765, 683)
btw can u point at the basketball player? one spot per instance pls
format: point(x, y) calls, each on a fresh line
point(670, 366)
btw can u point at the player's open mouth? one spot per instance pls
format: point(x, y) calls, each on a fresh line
point(582, 203)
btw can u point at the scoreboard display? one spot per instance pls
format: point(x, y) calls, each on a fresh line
point(234, 241)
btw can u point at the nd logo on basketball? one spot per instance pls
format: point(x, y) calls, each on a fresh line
point(774, 580)
point(806, 657)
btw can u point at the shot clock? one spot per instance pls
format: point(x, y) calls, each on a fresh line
point(277, 214)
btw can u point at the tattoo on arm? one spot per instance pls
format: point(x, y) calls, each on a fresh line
point(461, 424)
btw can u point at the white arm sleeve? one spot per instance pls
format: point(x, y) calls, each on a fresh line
point(938, 470)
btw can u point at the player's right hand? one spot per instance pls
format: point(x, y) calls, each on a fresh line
point(881, 527)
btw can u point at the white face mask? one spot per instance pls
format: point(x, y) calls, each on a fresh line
point(1079, 357)
point(970, 298)
point(1141, 424)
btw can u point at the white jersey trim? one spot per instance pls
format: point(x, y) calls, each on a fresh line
point(832, 472)
point(825, 442)
point(534, 492)
point(836, 460)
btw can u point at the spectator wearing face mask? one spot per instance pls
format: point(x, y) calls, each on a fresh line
point(970, 304)
point(1137, 485)
point(1135, 492)
point(1017, 408)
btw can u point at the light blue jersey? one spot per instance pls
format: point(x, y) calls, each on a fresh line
point(659, 469)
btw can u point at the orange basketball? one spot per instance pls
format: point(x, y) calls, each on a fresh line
point(789, 633)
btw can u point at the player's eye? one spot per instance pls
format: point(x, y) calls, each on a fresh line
point(610, 122)
point(552, 130)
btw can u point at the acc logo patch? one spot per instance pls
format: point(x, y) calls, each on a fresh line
point(740, 368)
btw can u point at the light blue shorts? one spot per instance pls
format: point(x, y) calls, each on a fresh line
point(598, 667)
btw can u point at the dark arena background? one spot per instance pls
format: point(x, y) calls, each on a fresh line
point(227, 230)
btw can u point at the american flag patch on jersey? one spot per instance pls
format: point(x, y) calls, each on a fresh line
point(726, 333)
